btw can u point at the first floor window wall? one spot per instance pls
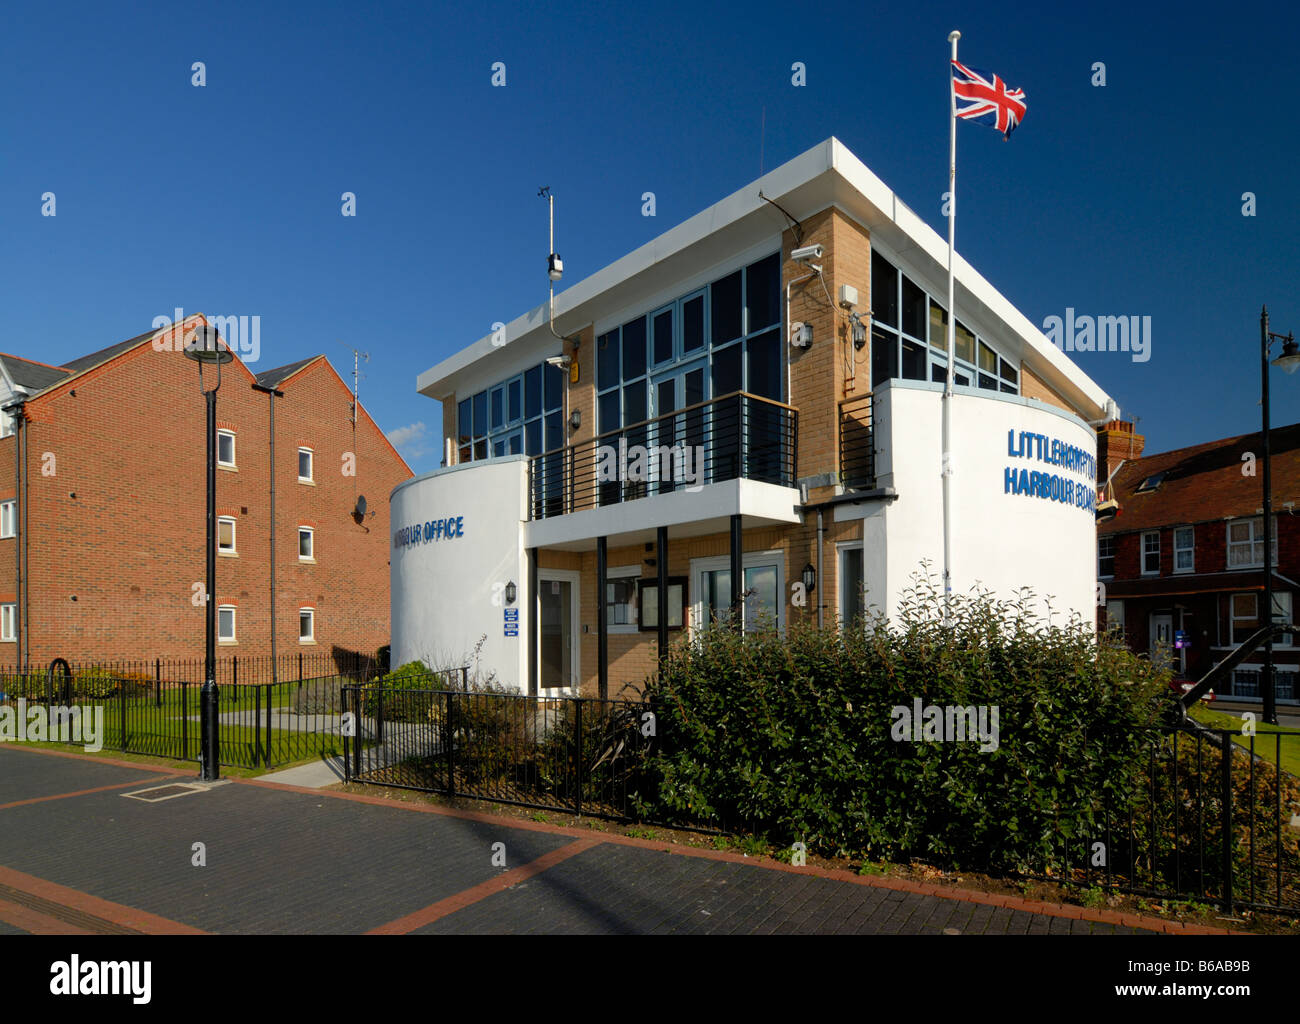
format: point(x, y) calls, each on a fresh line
point(306, 625)
point(909, 337)
point(8, 518)
point(8, 623)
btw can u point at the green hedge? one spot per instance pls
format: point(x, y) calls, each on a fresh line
point(791, 737)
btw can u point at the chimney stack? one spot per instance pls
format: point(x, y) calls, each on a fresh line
point(1116, 443)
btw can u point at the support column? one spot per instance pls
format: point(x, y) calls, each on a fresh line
point(661, 567)
point(602, 616)
point(534, 612)
point(737, 577)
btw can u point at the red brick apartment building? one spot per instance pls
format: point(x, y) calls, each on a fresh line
point(103, 514)
point(1186, 552)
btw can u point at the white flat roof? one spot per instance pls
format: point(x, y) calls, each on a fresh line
point(826, 175)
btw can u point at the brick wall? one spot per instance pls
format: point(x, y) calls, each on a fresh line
point(117, 529)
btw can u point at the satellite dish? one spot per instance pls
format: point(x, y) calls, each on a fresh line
point(361, 507)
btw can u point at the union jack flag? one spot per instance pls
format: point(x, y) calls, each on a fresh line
point(985, 99)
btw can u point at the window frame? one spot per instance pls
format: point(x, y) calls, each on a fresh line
point(234, 624)
point(750, 560)
point(1108, 539)
point(1144, 552)
point(310, 612)
point(311, 465)
point(1234, 618)
point(310, 531)
point(8, 519)
point(9, 622)
point(842, 550)
point(225, 432)
point(624, 572)
point(234, 537)
point(1256, 524)
point(8, 423)
point(1188, 549)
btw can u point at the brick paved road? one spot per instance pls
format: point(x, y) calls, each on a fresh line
point(76, 854)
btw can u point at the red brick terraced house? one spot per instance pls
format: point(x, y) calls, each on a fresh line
point(103, 509)
point(1185, 554)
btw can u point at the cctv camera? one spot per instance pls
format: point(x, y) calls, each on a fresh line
point(808, 252)
point(560, 361)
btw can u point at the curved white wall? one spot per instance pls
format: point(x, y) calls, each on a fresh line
point(1001, 540)
point(442, 586)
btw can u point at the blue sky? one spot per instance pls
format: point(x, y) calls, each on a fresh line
point(1122, 200)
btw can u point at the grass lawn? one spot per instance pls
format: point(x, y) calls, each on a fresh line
point(166, 724)
point(1266, 746)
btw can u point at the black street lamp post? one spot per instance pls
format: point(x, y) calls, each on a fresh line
point(206, 347)
point(1289, 361)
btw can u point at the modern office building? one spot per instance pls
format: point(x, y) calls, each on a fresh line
point(1183, 562)
point(103, 508)
point(743, 413)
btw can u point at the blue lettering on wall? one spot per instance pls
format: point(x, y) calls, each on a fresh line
point(430, 532)
point(1025, 444)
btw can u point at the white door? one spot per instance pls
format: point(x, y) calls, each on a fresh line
point(557, 660)
point(1162, 639)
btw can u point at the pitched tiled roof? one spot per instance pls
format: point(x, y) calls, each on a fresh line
point(274, 378)
point(1205, 482)
point(105, 354)
point(31, 375)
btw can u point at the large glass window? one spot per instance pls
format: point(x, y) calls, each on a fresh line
point(905, 320)
point(1184, 549)
point(508, 418)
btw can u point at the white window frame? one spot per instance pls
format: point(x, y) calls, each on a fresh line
point(1106, 575)
point(9, 623)
point(234, 536)
point(1188, 549)
point(7, 421)
point(1114, 611)
point(841, 550)
point(234, 455)
point(1233, 617)
point(310, 612)
point(8, 518)
point(1256, 524)
point(1145, 552)
point(311, 468)
point(623, 572)
point(751, 560)
point(310, 532)
point(1283, 610)
point(234, 624)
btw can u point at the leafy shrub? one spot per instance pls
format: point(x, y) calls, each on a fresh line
point(98, 682)
point(792, 737)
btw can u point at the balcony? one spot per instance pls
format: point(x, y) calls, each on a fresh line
point(857, 444)
point(736, 437)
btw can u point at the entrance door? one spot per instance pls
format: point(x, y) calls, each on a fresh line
point(1162, 639)
point(678, 389)
point(558, 619)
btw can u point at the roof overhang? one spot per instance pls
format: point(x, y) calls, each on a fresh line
point(826, 175)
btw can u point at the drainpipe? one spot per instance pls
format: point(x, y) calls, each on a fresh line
point(820, 579)
point(19, 534)
point(272, 394)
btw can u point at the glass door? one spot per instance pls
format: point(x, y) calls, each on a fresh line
point(557, 663)
point(677, 442)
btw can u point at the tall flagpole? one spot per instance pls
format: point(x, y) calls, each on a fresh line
point(952, 338)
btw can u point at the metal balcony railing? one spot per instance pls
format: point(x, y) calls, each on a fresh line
point(857, 444)
point(737, 436)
